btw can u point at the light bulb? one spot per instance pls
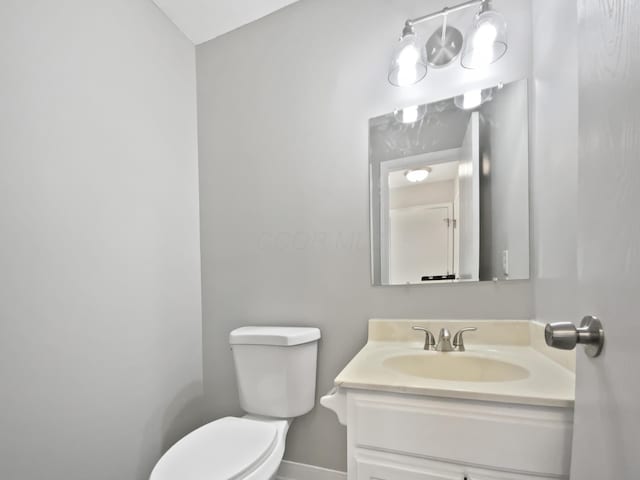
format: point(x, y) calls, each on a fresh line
point(407, 69)
point(410, 114)
point(483, 42)
point(419, 175)
point(487, 40)
point(472, 99)
point(409, 61)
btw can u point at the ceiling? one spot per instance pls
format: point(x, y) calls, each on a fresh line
point(440, 172)
point(202, 20)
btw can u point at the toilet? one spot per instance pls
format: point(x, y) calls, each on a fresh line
point(276, 372)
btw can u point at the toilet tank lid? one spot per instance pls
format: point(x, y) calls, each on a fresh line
point(279, 336)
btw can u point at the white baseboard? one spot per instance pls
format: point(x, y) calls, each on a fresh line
point(300, 471)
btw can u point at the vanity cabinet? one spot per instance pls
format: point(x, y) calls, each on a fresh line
point(410, 437)
point(379, 468)
point(500, 410)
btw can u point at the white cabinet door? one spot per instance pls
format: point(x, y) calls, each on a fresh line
point(373, 465)
point(517, 438)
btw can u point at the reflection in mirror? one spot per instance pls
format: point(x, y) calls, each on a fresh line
point(450, 189)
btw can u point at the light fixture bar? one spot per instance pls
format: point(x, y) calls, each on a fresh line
point(445, 11)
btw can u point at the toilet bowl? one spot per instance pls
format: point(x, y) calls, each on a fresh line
point(276, 372)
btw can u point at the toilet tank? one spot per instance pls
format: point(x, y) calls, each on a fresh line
point(276, 369)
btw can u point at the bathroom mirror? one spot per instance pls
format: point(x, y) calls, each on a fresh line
point(450, 189)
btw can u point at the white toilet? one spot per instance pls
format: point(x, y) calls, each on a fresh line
point(276, 372)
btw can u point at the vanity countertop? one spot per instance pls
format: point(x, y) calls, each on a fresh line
point(549, 379)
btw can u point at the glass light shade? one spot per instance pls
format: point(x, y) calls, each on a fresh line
point(409, 62)
point(411, 114)
point(486, 42)
point(473, 98)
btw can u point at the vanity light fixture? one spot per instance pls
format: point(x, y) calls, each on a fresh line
point(409, 115)
point(487, 39)
point(409, 60)
point(418, 175)
point(473, 98)
point(485, 44)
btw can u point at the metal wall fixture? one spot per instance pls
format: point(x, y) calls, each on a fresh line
point(485, 43)
point(565, 335)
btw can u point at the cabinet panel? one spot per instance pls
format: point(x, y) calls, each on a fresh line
point(375, 465)
point(500, 436)
point(381, 470)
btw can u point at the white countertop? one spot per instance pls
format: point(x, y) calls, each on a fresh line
point(550, 382)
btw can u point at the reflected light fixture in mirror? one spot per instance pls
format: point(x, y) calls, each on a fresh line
point(486, 41)
point(409, 60)
point(417, 175)
point(411, 114)
point(473, 98)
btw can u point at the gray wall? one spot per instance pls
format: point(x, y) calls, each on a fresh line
point(283, 109)
point(554, 161)
point(100, 316)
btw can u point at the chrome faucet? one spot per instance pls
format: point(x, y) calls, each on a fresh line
point(444, 339)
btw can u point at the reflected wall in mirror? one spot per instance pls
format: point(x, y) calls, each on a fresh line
point(450, 189)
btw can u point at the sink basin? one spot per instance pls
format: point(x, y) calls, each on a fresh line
point(455, 367)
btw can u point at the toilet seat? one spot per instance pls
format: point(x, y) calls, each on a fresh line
point(230, 448)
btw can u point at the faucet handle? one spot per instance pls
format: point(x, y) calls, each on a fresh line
point(429, 339)
point(458, 341)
